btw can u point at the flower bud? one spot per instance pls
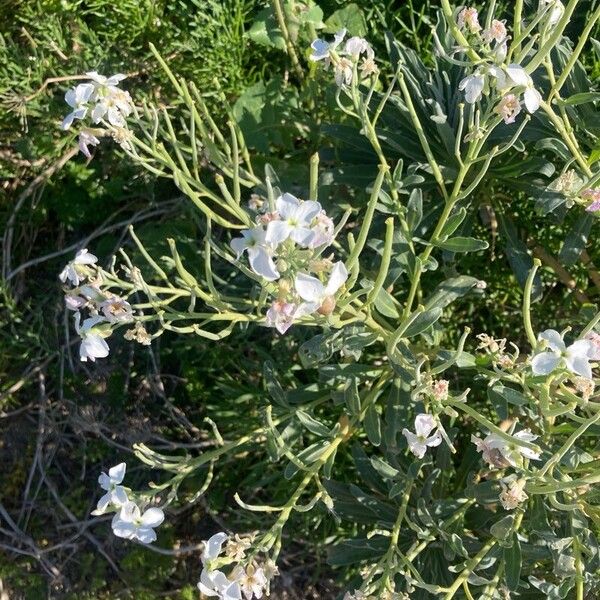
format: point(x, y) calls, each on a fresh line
point(327, 307)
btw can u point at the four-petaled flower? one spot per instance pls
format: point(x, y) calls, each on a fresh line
point(93, 345)
point(131, 524)
point(513, 493)
point(576, 357)
point(281, 315)
point(295, 218)
point(322, 49)
point(259, 251)
point(76, 270)
point(419, 441)
point(115, 493)
point(316, 295)
point(508, 108)
point(212, 581)
point(77, 98)
point(252, 581)
point(469, 18)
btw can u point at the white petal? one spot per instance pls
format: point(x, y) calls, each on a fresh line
point(544, 363)
point(424, 424)
point(129, 512)
point(146, 535)
point(93, 347)
point(338, 37)
point(579, 364)
point(307, 211)
point(117, 472)
point(83, 257)
point(337, 278)
point(306, 308)
point(554, 339)
point(212, 547)
point(104, 481)
point(277, 232)
point(153, 517)
point(262, 263)
point(473, 87)
point(518, 75)
point(122, 529)
point(302, 236)
point(238, 245)
point(119, 496)
point(115, 79)
point(434, 440)
point(415, 445)
point(533, 99)
point(67, 121)
point(286, 205)
point(99, 112)
point(309, 288)
point(320, 50)
point(102, 505)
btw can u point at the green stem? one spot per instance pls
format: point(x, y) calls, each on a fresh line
point(527, 303)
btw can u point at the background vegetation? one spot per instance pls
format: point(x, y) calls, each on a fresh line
point(61, 422)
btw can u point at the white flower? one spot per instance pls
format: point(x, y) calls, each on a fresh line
point(215, 583)
point(499, 452)
point(317, 296)
point(593, 195)
point(419, 441)
point(513, 494)
point(115, 493)
point(281, 315)
point(116, 105)
point(294, 221)
point(468, 17)
point(508, 108)
point(519, 77)
point(131, 524)
point(87, 138)
point(254, 242)
point(116, 309)
point(76, 270)
point(321, 48)
point(473, 87)
point(77, 98)
point(496, 31)
point(575, 357)
point(323, 230)
point(75, 302)
point(356, 46)
point(252, 581)
point(93, 345)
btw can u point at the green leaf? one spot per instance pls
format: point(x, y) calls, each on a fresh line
point(414, 209)
point(265, 30)
point(307, 457)
point(273, 386)
point(423, 322)
point(512, 563)
point(350, 552)
point(576, 241)
point(352, 397)
point(463, 244)
point(385, 305)
point(581, 98)
point(372, 425)
point(454, 222)
point(312, 424)
point(506, 393)
point(349, 17)
point(502, 529)
point(450, 290)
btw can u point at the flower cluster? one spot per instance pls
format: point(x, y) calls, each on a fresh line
point(243, 581)
point(129, 522)
point(509, 80)
point(345, 62)
point(285, 246)
point(105, 308)
point(103, 105)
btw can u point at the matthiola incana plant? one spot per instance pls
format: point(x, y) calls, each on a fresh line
point(440, 465)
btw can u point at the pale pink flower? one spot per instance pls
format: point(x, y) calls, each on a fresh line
point(508, 108)
point(469, 18)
